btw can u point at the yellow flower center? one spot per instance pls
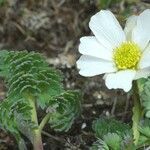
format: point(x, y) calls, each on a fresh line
point(127, 56)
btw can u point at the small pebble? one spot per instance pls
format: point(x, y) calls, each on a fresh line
point(83, 126)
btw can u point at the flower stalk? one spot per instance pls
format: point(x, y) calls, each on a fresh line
point(37, 138)
point(44, 121)
point(137, 112)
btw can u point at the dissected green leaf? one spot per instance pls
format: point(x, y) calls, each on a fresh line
point(112, 135)
point(64, 109)
point(145, 96)
point(104, 125)
point(29, 75)
point(144, 128)
point(141, 83)
point(4, 71)
point(10, 112)
point(99, 145)
point(127, 142)
point(110, 141)
point(113, 140)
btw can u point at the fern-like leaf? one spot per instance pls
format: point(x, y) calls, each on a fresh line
point(10, 112)
point(25, 74)
point(145, 96)
point(29, 74)
point(113, 140)
point(112, 135)
point(64, 109)
point(144, 128)
point(104, 125)
point(4, 71)
point(99, 145)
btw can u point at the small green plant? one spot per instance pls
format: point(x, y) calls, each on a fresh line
point(114, 135)
point(111, 135)
point(33, 85)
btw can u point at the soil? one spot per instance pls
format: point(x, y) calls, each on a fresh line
point(53, 28)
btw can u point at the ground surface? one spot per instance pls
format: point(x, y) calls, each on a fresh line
point(53, 28)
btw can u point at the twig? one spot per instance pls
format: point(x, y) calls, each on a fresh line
point(53, 137)
point(126, 106)
point(114, 106)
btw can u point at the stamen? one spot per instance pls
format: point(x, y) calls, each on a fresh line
point(127, 56)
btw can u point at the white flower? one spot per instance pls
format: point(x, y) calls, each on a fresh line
point(122, 55)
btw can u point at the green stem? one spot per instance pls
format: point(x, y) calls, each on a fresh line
point(37, 139)
point(137, 111)
point(44, 121)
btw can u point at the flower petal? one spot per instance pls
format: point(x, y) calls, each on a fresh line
point(143, 73)
point(90, 66)
point(120, 80)
point(141, 33)
point(145, 59)
point(90, 46)
point(107, 29)
point(130, 24)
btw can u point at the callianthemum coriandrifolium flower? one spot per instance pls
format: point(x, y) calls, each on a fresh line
point(122, 55)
